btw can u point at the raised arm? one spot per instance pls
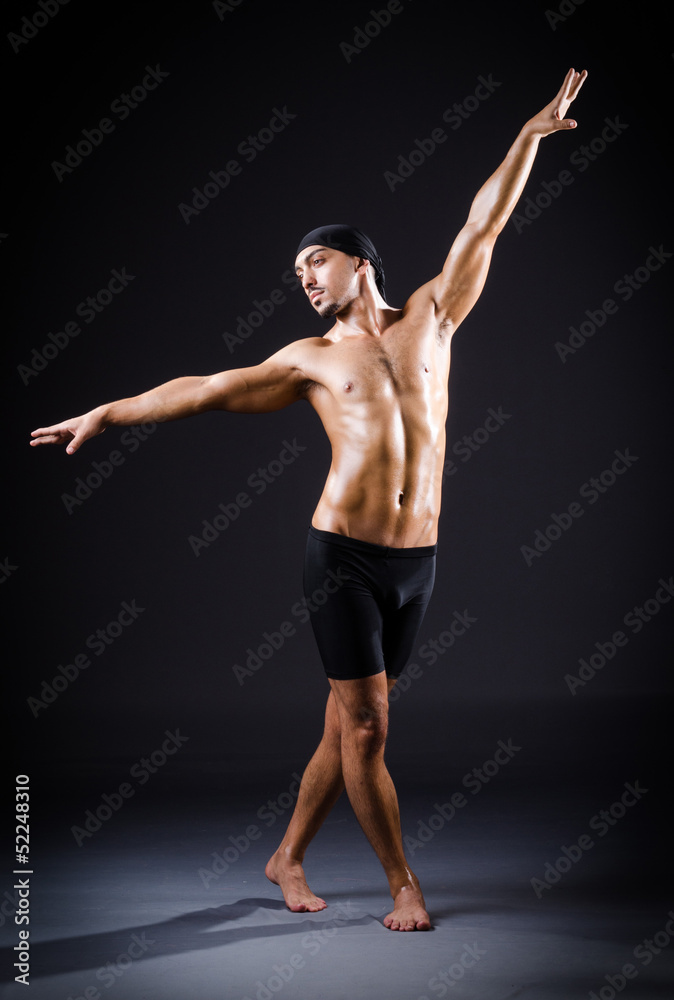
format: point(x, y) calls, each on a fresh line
point(275, 383)
point(458, 287)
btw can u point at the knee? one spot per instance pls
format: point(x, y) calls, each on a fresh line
point(367, 729)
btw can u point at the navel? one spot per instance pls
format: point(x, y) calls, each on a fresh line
point(400, 499)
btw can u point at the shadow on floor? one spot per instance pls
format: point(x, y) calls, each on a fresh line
point(185, 933)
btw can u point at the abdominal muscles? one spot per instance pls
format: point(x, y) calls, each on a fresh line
point(385, 479)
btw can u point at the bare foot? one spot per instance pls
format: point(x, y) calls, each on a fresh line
point(409, 911)
point(289, 875)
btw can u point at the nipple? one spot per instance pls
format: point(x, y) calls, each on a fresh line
point(348, 386)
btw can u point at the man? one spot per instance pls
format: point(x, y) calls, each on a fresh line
point(378, 380)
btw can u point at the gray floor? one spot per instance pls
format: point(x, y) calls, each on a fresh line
point(145, 908)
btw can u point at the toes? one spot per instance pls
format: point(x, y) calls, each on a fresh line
point(394, 923)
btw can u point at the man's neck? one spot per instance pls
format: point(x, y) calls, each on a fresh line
point(368, 315)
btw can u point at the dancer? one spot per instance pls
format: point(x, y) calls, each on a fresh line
point(378, 380)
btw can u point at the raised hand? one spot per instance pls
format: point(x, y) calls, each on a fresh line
point(552, 117)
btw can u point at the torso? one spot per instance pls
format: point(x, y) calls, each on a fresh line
point(383, 402)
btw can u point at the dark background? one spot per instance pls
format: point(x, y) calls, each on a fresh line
point(67, 573)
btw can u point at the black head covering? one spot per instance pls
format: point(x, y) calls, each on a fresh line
point(348, 240)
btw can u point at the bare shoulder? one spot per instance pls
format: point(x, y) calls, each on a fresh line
point(299, 356)
point(298, 363)
point(295, 351)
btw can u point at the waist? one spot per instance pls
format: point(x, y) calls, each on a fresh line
point(360, 545)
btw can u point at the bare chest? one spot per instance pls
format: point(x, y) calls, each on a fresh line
point(370, 369)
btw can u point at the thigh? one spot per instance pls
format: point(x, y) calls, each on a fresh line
point(362, 702)
point(400, 635)
point(403, 617)
point(344, 611)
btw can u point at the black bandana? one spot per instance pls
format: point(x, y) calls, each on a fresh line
point(348, 240)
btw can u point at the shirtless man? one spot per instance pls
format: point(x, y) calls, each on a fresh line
point(378, 380)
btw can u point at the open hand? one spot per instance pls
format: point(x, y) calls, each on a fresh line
point(76, 431)
point(552, 117)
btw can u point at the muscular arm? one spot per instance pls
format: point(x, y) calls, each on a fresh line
point(458, 287)
point(275, 383)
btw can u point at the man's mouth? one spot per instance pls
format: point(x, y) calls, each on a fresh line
point(314, 295)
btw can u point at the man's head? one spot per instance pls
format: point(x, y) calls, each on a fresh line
point(334, 242)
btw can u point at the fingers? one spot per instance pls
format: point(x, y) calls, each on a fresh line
point(573, 81)
point(578, 83)
point(44, 439)
point(564, 91)
point(566, 86)
point(75, 443)
point(57, 434)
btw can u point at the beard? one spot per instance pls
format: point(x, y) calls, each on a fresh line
point(333, 307)
point(328, 310)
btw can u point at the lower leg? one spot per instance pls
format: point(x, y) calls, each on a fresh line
point(364, 717)
point(322, 784)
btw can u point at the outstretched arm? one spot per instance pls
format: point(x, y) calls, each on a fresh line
point(269, 386)
point(458, 287)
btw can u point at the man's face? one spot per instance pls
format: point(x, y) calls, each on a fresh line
point(329, 278)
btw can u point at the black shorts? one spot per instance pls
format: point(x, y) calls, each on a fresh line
point(366, 602)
